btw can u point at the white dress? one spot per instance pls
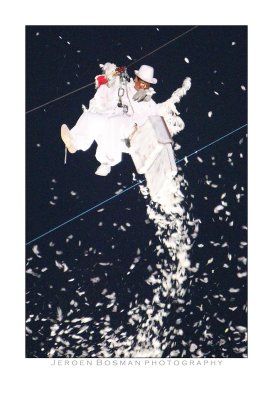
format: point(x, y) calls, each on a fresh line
point(108, 125)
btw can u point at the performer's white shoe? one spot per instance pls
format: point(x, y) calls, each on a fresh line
point(103, 170)
point(66, 138)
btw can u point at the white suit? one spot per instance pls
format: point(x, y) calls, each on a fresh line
point(108, 125)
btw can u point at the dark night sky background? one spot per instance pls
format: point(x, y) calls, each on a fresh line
point(60, 59)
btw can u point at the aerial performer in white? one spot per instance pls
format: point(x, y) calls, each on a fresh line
point(120, 107)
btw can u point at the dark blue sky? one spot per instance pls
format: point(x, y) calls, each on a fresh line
point(55, 67)
point(60, 59)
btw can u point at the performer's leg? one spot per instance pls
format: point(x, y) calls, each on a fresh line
point(83, 133)
point(66, 138)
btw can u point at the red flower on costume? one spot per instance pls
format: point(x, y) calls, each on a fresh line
point(100, 80)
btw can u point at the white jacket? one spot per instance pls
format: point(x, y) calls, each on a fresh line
point(107, 124)
point(106, 101)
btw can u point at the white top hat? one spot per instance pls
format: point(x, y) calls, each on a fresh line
point(146, 73)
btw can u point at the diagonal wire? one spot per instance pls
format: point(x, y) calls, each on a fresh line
point(132, 186)
point(165, 44)
point(84, 212)
point(59, 98)
point(134, 62)
point(211, 143)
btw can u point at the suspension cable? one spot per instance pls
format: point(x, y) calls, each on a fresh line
point(93, 83)
point(132, 186)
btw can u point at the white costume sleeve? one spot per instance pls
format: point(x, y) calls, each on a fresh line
point(168, 109)
point(103, 100)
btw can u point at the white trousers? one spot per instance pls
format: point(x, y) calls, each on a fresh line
point(107, 130)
